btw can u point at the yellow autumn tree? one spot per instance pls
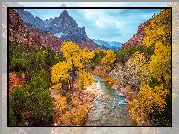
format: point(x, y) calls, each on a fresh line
point(154, 89)
point(137, 69)
point(160, 64)
point(148, 101)
point(159, 29)
point(109, 59)
point(74, 68)
point(59, 73)
point(158, 35)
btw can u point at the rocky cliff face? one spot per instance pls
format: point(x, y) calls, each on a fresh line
point(64, 27)
point(25, 33)
point(64, 23)
point(137, 38)
point(28, 17)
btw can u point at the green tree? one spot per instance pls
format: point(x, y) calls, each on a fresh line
point(32, 103)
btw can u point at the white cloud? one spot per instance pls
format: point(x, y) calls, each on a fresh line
point(99, 23)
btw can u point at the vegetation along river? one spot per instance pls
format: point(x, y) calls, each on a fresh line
point(109, 109)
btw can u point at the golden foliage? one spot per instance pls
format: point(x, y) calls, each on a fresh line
point(160, 62)
point(159, 29)
point(109, 59)
point(147, 101)
point(150, 100)
point(75, 66)
point(84, 79)
point(71, 118)
point(59, 72)
point(138, 67)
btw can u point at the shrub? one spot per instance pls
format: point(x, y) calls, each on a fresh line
point(33, 99)
point(17, 102)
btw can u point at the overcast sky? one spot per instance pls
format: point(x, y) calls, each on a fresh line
point(104, 24)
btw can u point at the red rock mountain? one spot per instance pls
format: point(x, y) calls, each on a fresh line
point(28, 34)
point(137, 38)
point(64, 27)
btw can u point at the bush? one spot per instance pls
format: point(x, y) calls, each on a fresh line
point(42, 104)
point(42, 107)
point(17, 102)
point(75, 119)
point(33, 99)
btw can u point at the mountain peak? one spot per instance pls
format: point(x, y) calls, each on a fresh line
point(64, 12)
point(63, 27)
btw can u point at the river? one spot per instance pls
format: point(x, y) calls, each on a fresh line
point(109, 109)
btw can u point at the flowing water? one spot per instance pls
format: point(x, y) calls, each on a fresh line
point(109, 109)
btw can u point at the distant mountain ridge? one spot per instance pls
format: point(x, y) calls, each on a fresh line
point(108, 45)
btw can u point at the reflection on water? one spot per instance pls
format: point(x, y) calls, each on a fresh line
point(110, 107)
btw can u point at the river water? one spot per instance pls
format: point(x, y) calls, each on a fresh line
point(109, 109)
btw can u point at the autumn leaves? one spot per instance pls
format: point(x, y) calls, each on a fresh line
point(74, 68)
point(156, 84)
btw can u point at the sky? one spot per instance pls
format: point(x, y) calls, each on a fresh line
point(104, 24)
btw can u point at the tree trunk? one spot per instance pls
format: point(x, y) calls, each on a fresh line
point(72, 77)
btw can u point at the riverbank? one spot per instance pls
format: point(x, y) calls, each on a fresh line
point(97, 105)
point(76, 111)
point(124, 89)
point(92, 89)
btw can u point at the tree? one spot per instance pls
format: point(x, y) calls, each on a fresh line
point(99, 54)
point(74, 68)
point(137, 69)
point(158, 35)
point(159, 29)
point(32, 103)
point(152, 98)
point(109, 59)
point(147, 102)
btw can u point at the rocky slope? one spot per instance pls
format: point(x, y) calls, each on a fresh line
point(136, 39)
point(30, 35)
point(28, 17)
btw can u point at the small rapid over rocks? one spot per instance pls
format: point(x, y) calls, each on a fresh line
point(110, 107)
